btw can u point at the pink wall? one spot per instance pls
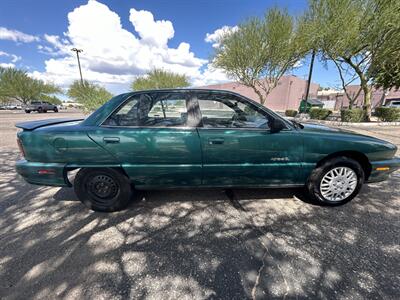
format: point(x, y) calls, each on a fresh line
point(286, 95)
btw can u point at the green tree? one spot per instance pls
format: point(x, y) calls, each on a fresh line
point(16, 84)
point(90, 95)
point(261, 51)
point(51, 99)
point(160, 79)
point(385, 67)
point(354, 34)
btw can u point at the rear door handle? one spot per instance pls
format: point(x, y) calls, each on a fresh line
point(111, 140)
point(217, 141)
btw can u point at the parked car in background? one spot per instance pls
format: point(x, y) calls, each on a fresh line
point(41, 107)
point(11, 107)
point(195, 138)
point(393, 103)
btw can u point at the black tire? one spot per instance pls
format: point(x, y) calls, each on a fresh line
point(314, 181)
point(55, 109)
point(103, 189)
point(40, 110)
point(28, 111)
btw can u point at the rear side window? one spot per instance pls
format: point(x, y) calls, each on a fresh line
point(35, 102)
point(151, 110)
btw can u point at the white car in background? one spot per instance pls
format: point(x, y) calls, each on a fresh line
point(393, 103)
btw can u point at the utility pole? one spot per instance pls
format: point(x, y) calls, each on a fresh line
point(309, 78)
point(79, 63)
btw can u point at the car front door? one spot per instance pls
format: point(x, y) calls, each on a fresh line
point(238, 146)
point(151, 136)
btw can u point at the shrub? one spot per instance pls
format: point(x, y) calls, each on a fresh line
point(388, 114)
point(319, 113)
point(290, 113)
point(355, 115)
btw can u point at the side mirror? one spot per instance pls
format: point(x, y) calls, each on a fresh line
point(277, 125)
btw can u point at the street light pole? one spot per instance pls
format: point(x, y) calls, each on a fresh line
point(79, 63)
point(309, 78)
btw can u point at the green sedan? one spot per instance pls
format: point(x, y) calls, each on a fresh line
point(196, 138)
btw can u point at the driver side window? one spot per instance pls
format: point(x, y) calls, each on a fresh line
point(231, 113)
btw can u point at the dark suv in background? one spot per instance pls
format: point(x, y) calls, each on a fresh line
point(40, 107)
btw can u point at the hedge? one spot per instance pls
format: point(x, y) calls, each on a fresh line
point(290, 113)
point(354, 115)
point(319, 113)
point(388, 114)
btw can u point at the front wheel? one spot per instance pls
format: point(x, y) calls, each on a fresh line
point(336, 182)
point(103, 189)
point(55, 109)
point(28, 111)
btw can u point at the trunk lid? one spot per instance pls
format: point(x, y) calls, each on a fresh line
point(32, 125)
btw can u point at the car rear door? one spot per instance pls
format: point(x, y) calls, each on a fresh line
point(238, 147)
point(151, 136)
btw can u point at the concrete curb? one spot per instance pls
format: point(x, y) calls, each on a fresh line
point(339, 123)
point(363, 124)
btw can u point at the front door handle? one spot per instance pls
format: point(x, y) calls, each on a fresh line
point(217, 141)
point(111, 140)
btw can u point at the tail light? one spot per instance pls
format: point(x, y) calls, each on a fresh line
point(21, 147)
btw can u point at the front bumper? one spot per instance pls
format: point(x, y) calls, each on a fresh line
point(381, 169)
point(53, 174)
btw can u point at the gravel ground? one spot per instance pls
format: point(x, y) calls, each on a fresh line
point(207, 244)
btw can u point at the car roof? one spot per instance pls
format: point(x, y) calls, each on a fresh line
point(184, 90)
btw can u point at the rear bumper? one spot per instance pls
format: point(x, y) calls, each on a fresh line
point(382, 169)
point(53, 174)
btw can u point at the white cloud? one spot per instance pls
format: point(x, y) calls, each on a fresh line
point(17, 36)
point(153, 33)
point(7, 65)
point(14, 58)
point(298, 63)
point(216, 36)
point(114, 56)
point(209, 76)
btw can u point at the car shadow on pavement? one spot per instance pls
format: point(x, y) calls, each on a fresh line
point(197, 244)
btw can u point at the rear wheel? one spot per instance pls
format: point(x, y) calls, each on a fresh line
point(103, 189)
point(336, 182)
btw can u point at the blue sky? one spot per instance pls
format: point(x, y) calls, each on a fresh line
point(122, 39)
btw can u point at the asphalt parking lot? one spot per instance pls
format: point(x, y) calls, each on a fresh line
point(208, 244)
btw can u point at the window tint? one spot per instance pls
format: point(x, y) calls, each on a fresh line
point(222, 112)
point(155, 109)
point(35, 102)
